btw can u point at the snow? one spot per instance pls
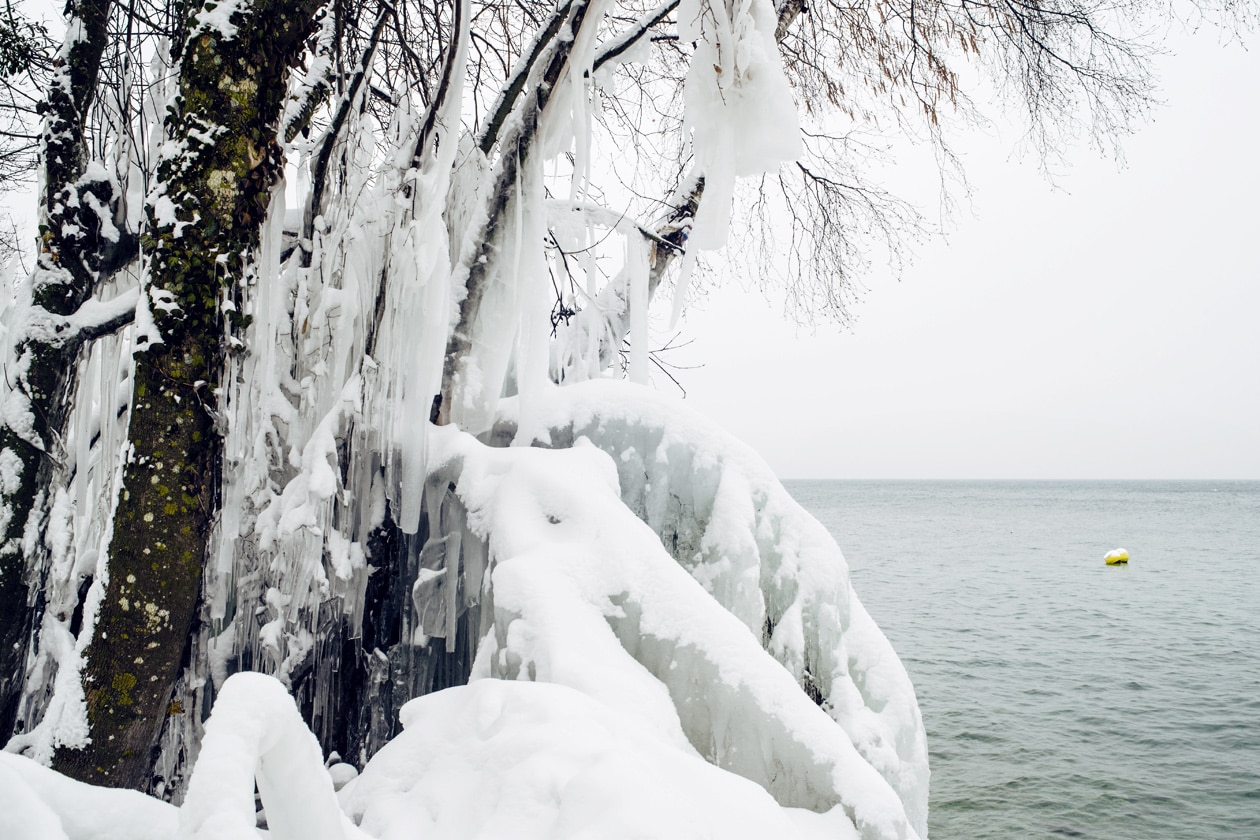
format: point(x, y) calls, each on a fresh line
point(740, 108)
point(662, 642)
point(619, 690)
point(534, 760)
point(39, 804)
point(217, 17)
point(256, 736)
point(496, 758)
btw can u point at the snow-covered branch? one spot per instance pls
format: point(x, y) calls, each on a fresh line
point(622, 43)
point(520, 74)
point(93, 319)
point(255, 736)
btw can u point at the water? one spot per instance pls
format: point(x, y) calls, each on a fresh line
point(1062, 697)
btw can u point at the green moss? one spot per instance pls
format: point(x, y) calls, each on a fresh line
point(123, 683)
point(231, 93)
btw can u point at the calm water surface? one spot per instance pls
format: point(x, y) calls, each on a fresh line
point(1062, 697)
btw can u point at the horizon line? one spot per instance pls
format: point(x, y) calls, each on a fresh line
point(982, 478)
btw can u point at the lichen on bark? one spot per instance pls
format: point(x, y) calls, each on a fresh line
point(219, 183)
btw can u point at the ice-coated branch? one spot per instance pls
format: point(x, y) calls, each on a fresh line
point(439, 120)
point(256, 736)
point(483, 259)
point(606, 217)
point(333, 134)
point(312, 85)
point(623, 42)
point(452, 65)
point(520, 74)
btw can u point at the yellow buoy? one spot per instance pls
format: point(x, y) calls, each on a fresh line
point(1117, 557)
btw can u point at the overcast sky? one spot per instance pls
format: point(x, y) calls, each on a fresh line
point(1106, 328)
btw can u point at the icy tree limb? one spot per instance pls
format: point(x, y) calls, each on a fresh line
point(442, 113)
point(606, 217)
point(214, 183)
point(618, 46)
point(609, 316)
point(483, 261)
point(78, 242)
point(453, 63)
point(312, 86)
point(332, 136)
point(520, 74)
point(256, 736)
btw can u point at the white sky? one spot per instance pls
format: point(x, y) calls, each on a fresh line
point(1109, 328)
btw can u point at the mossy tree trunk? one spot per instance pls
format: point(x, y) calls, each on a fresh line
point(204, 221)
point(75, 255)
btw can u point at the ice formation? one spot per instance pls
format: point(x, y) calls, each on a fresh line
point(570, 607)
point(724, 517)
point(612, 677)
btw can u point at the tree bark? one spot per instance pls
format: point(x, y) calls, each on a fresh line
point(205, 221)
point(74, 254)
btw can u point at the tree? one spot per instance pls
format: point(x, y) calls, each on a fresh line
point(24, 64)
point(214, 452)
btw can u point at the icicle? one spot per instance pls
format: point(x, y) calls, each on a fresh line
point(680, 287)
point(455, 530)
point(580, 185)
point(474, 551)
point(534, 352)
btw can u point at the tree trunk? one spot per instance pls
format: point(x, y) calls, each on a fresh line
point(211, 200)
point(73, 257)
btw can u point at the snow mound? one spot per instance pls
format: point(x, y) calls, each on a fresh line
point(530, 760)
point(583, 594)
point(256, 736)
point(39, 804)
point(724, 517)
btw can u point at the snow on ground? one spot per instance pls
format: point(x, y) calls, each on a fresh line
point(529, 760)
point(39, 804)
